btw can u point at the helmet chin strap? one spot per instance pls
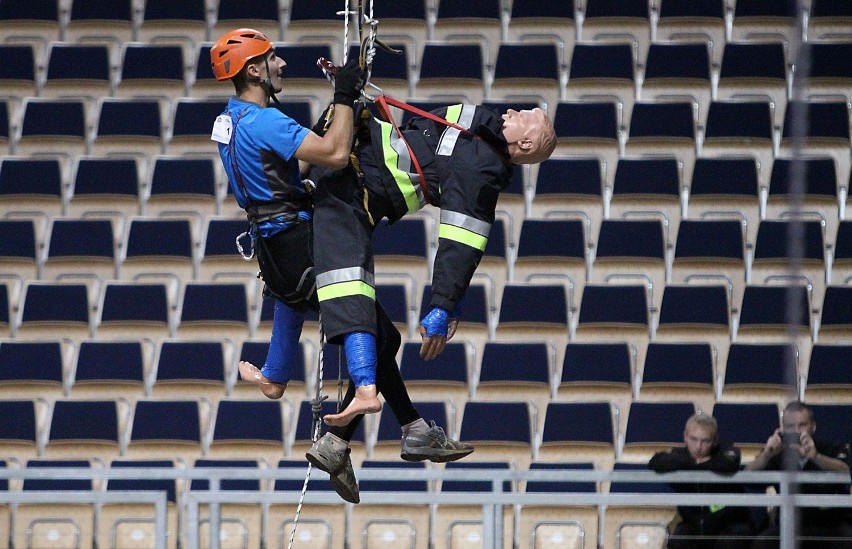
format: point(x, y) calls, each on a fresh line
point(266, 84)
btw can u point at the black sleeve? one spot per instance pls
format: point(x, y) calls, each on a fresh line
point(725, 459)
point(666, 462)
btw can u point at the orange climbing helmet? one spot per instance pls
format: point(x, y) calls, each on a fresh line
point(230, 53)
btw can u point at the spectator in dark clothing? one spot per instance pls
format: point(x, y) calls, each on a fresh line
point(707, 526)
point(793, 446)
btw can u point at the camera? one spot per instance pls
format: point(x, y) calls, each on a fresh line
point(791, 438)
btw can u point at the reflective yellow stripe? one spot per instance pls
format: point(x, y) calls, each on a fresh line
point(408, 187)
point(345, 289)
point(714, 508)
point(468, 238)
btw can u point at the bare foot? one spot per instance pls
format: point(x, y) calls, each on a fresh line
point(366, 401)
point(270, 389)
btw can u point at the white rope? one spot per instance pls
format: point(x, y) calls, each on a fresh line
point(316, 427)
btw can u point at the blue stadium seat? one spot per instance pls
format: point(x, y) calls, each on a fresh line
point(89, 20)
point(818, 199)
point(756, 371)
point(449, 66)
point(127, 523)
point(39, 20)
point(760, 20)
point(183, 184)
point(543, 259)
point(597, 370)
point(826, 131)
point(161, 246)
point(517, 79)
point(828, 377)
point(78, 71)
point(520, 322)
point(675, 371)
point(726, 188)
point(31, 184)
point(740, 128)
point(507, 440)
point(192, 121)
point(607, 21)
point(836, 315)
point(19, 430)
point(186, 368)
point(579, 431)
point(83, 247)
point(654, 426)
point(56, 126)
point(747, 424)
point(612, 313)
point(833, 420)
point(540, 20)
point(445, 377)
point(772, 250)
point(588, 128)
point(575, 181)
point(238, 521)
point(604, 72)
point(31, 364)
point(711, 252)
point(763, 314)
point(477, 21)
point(305, 81)
point(134, 309)
point(650, 186)
point(692, 312)
point(129, 127)
point(502, 378)
point(127, 362)
point(249, 427)
point(202, 314)
point(18, 73)
point(108, 186)
point(152, 70)
point(388, 429)
point(48, 307)
point(166, 429)
point(626, 525)
point(632, 251)
point(683, 21)
point(220, 254)
point(827, 19)
point(755, 71)
point(181, 22)
point(84, 429)
point(18, 249)
point(262, 15)
point(842, 264)
point(679, 71)
point(38, 525)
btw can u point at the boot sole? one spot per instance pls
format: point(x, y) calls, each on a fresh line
point(435, 455)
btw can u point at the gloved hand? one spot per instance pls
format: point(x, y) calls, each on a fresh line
point(348, 82)
point(433, 330)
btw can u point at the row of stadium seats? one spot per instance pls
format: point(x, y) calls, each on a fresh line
point(191, 428)
point(195, 309)
point(614, 371)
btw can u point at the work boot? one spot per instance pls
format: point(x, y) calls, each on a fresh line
point(433, 445)
point(333, 457)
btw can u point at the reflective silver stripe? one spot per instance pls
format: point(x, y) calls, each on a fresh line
point(348, 274)
point(465, 222)
point(451, 135)
point(405, 166)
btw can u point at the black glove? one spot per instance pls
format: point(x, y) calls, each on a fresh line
point(348, 81)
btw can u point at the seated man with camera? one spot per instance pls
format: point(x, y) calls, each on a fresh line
point(793, 446)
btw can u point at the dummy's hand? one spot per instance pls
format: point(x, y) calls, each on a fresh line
point(451, 328)
point(348, 81)
point(433, 329)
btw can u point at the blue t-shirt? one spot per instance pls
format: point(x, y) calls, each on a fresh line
point(264, 140)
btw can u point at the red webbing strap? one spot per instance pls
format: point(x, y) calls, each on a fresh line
point(383, 101)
